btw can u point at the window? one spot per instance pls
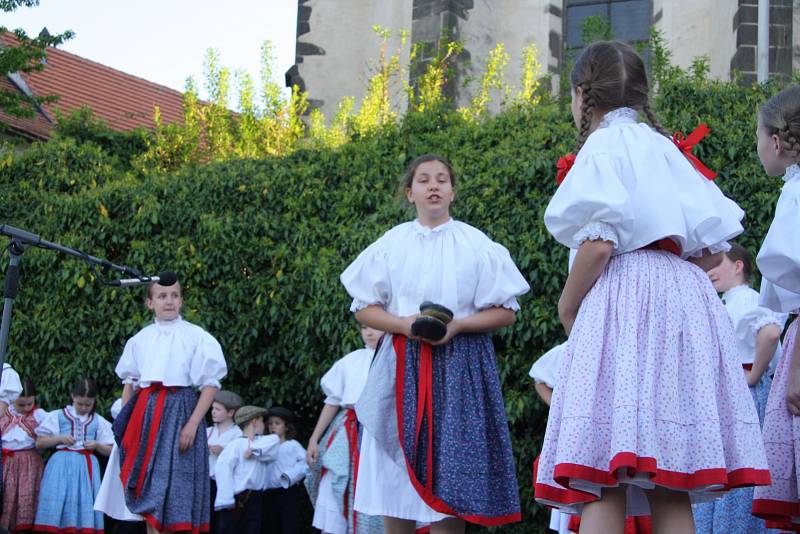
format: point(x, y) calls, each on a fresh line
point(629, 20)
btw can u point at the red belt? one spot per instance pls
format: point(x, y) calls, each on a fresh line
point(351, 431)
point(132, 439)
point(747, 366)
point(86, 454)
point(10, 453)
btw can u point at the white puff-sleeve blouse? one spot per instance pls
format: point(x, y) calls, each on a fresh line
point(748, 318)
point(346, 378)
point(545, 369)
point(175, 353)
point(779, 257)
point(632, 186)
point(453, 264)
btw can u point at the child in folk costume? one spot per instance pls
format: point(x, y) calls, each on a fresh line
point(332, 453)
point(71, 479)
point(220, 434)
point(284, 491)
point(161, 430)
point(241, 474)
point(758, 331)
point(22, 463)
point(651, 411)
point(779, 262)
point(111, 496)
point(435, 446)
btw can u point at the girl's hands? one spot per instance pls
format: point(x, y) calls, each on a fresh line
point(453, 329)
point(215, 449)
point(312, 453)
point(67, 440)
point(188, 432)
point(90, 444)
point(248, 454)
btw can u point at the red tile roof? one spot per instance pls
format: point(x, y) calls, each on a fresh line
point(124, 101)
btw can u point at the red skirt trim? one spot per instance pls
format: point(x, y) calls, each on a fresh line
point(174, 527)
point(69, 530)
point(777, 514)
point(636, 465)
point(425, 400)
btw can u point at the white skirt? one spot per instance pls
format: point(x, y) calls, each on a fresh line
point(385, 489)
point(111, 498)
point(328, 514)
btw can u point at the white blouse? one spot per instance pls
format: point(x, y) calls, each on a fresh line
point(779, 257)
point(453, 264)
point(289, 468)
point(748, 318)
point(235, 473)
point(10, 385)
point(175, 353)
point(49, 427)
point(632, 186)
point(345, 380)
point(545, 369)
point(215, 438)
point(15, 437)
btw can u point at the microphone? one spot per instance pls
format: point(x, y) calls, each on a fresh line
point(166, 278)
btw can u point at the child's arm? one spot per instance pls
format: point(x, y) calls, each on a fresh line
point(590, 261)
point(46, 442)
point(327, 414)
point(265, 448)
point(793, 386)
point(189, 430)
point(127, 393)
point(766, 343)
point(545, 392)
point(223, 472)
point(487, 320)
point(298, 469)
point(376, 317)
point(92, 445)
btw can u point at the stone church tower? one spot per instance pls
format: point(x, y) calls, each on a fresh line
point(336, 45)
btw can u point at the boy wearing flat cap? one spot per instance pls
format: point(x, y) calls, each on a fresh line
point(241, 473)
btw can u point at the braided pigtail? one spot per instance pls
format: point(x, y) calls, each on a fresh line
point(789, 143)
point(587, 112)
point(652, 119)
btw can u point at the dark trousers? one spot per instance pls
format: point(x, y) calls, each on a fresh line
point(282, 510)
point(245, 517)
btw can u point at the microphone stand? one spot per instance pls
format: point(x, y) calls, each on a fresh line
point(19, 240)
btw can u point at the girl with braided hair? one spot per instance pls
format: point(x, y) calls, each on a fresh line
point(779, 262)
point(652, 411)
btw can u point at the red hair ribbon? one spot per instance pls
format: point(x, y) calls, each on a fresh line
point(686, 144)
point(564, 165)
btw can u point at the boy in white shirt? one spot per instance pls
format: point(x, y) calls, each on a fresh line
point(223, 432)
point(241, 473)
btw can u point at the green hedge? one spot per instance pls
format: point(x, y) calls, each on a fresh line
point(260, 244)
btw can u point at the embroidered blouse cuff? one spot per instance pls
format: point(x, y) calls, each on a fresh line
point(130, 380)
point(211, 383)
point(360, 305)
point(765, 320)
point(597, 231)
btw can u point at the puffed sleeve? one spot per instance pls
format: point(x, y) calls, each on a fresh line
point(49, 425)
point(208, 363)
point(127, 368)
point(298, 468)
point(10, 385)
point(367, 278)
point(591, 203)
point(265, 448)
point(105, 435)
point(756, 319)
point(779, 257)
point(545, 369)
point(332, 384)
point(499, 280)
point(39, 415)
point(116, 408)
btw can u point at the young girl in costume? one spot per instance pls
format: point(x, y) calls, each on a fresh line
point(71, 479)
point(161, 429)
point(333, 447)
point(435, 446)
point(22, 463)
point(779, 262)
point(284, 490)
point(652, 410)
point(758, 331)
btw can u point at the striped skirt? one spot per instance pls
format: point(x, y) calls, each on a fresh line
point(169, 488)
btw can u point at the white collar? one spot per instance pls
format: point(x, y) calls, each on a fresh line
point(620, 115)
point(733, 291)
point(792, 172)
point(424, 230)
point(167, 324)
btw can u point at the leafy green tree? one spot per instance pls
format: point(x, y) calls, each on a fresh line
point(27, 55)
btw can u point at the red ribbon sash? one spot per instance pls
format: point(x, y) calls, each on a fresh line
point(687, 144)
point(563, 165)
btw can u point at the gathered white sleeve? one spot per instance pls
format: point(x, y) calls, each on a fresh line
point(208, 363)
point(10, 385)
point(779, 257)
point(499, 280)
point(49, 425)
point(332, 384)
point(367, 278)
point(39, 415)
point(223, 473)
point(127, 368)
point(756, 319)
point(545, 369)
point(265, 448)
point(592, 192)
point(297, 470)
point(105, 435)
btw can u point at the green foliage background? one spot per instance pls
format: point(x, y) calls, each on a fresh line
point(260, 243)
